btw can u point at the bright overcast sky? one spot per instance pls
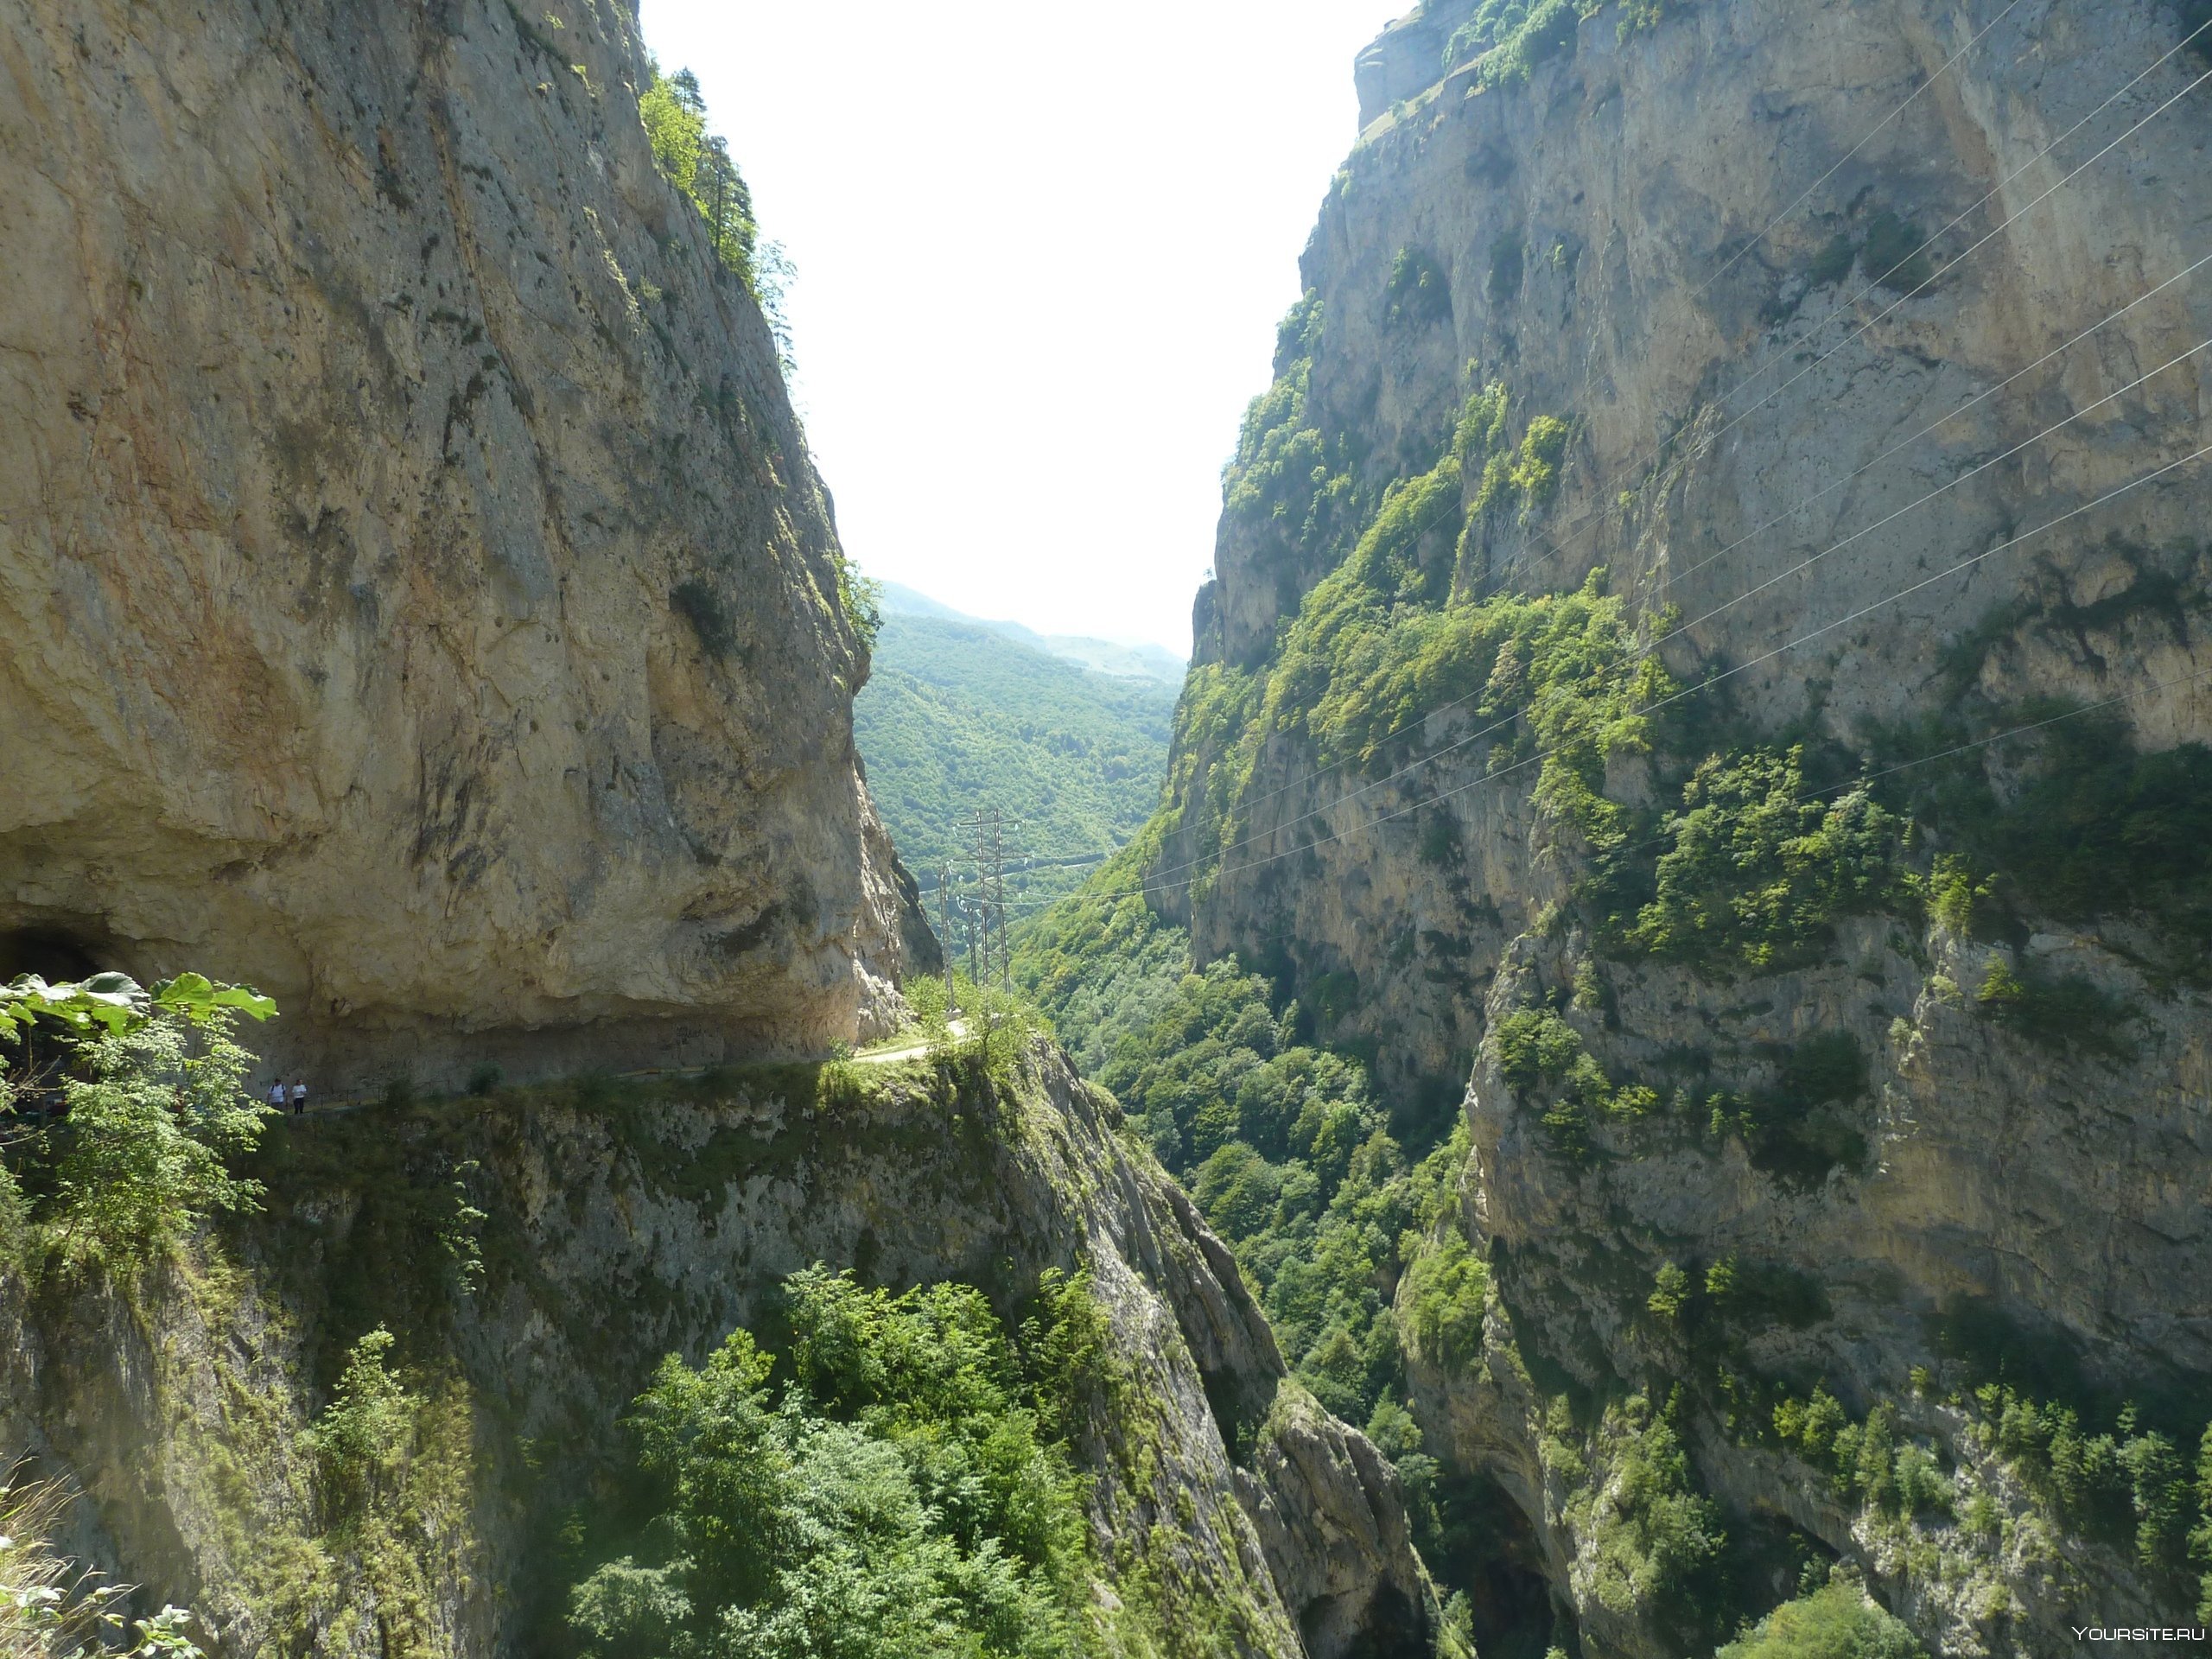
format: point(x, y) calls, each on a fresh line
point(1041, 250)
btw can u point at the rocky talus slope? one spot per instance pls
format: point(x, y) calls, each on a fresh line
point(623, 1226)
point(1933, 1084)
point(419, 601)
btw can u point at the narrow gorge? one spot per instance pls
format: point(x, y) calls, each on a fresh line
point(1697, 722)
point(1643, 1095)
point(420, 605)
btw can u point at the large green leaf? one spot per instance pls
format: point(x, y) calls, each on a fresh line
point(117, 1004)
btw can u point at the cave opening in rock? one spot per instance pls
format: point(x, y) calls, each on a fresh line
point(1483, 1547)
point(54, 954)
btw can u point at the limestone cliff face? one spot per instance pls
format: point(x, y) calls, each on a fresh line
point(1734, 409)
point(619, 1231)
point(417, 598)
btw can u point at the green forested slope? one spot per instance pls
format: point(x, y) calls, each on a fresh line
point(956, 716)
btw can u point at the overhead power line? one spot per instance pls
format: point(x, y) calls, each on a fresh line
point(1597, 512)
point(1702, 686)
point(1561, 542)
point(1864, 139)
point(1982, 241)
point(1806, 796)
point(1684, 628)
point(1157, 884)
point(1801, 503)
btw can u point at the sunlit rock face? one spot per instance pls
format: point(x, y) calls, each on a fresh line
point(1796, 453)
point(416, 596)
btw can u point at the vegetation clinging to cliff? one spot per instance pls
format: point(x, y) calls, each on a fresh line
point(153, 1086)
point(906, 1497)
point(1326, 1201)
point(1760, 869)
point(2083, 823)
point(697, 162)
point(51, 1607)
point(1835, 1622)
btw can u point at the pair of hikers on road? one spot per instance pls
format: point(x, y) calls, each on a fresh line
point(297, 1094)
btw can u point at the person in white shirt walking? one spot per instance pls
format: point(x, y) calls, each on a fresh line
point(299, 1098)
point(277, 1094)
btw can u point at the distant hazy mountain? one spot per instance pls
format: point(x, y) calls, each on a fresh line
point(959, 714)
point(1120, 659)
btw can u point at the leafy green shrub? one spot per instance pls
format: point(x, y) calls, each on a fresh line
point(1480, 429)
point(1442, 1300)
point(1540, 1055)
point(143, 1158)
point(1670, 1292)
point(1869, 1461)
point(1535, 474)
point(1655, 1540)
point(859, 601)
point(1547, 31)
point(1837, 1622)
point(394, 1463)
point(902, 1500)
point(1954, 896)
point(2200, 1535)
point(2062, 1012)
point(697, 163)
point(2127, 1485)
point(1237, 1188)
point(1645, 14)
point(1285, 474)
point(1530, 32)
point(1064, 1345)
point(1418, 293)
point(1894, 255)
point(1758, 875)
point(1492, 20)
point(362, 1438)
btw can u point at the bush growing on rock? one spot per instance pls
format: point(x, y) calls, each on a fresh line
point(903, 1498)
point(153, 1084)
point(1837, 1622)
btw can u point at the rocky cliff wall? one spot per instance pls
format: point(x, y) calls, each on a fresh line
point(624, 1225)
point(418, 600)
point(1739, 421)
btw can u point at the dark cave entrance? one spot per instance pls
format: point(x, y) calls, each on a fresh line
point(54, 954)
point(1483, 1548)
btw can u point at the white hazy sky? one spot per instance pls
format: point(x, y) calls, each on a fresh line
point(1041, 250)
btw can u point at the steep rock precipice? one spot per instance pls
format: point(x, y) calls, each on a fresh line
point(619, 1225)
point(1540, 340)
point(418, 597)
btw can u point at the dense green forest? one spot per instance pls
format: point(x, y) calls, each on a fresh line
point(955, 716)
point(1327, 1196)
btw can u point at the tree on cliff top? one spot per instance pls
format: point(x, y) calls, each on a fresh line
point(697, 162)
